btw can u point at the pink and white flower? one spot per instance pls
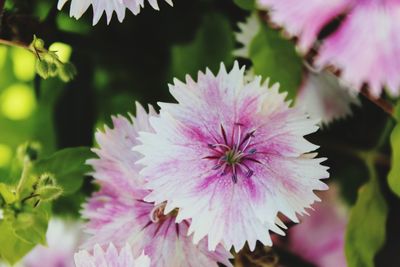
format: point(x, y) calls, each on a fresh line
point(79, 7)
point(118, 213)
point(323, 96)
point(366, 45)
point(57, 253)
point(110, 258)
point(319, 238)
point(230, 155)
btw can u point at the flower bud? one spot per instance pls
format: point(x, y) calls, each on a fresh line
point(67, 72)
point(42, 68)
point(49, 192)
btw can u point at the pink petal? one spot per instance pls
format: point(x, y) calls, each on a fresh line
point(304, 19)
point(323, 97)
point(367, 47)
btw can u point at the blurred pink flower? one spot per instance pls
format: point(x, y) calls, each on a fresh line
point(321, 94)
point(110, 258)
point(323, 97)
point(230, 156)
point(365, 47)
point(319, 238)
point(118, 213)
point(78, 7)
point(63, 238)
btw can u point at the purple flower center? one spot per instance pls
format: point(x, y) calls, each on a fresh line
point(233, 155)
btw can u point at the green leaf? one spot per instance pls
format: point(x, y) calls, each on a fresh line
point(68, 167)
point(12, 248)
point(8, 193)
point(31, 225)
point(246, 4)
point(212, 45)
point(394, 174)
point(276, 58)
point(365, 233)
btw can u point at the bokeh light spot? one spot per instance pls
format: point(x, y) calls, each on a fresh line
point(63, 51)
point(5, 155)
point(17, 102)
point(23, 64)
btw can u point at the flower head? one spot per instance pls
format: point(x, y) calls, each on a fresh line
point(319, 238)
point(110, 258)
point(322, 96)
point(78, 7)
point(56, 253)
point(230, 156)
point(119, 213)
point(368, 24)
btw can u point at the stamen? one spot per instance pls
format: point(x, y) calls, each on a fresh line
point(211, 157)
point(216, 167)
point(231, 157)
point(252, 151)
point(223, 173)
point(234, 178)
point(254, 160)
point(224, 134)
point(239, 136)
point(249, 173)
point(234, 175)
point(221, 145)
point(251, 134)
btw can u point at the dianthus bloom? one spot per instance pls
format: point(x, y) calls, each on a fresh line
point(319, 238)
point(62, 238)
point(322, 96)
point(230, 156)
point(78, 7)
point(110, 258)
point(118, 213)
point(365, 46)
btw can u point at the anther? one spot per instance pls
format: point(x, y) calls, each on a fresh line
point(249, 173)
point(216, 167)
point(234, 178)
point(252, 151)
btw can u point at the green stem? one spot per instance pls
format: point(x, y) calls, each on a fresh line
point(24, 175)
point(14, 44)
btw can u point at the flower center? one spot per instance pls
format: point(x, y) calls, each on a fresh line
point(231, 157)
point(235, 154)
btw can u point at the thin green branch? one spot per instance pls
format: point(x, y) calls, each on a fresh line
point(15, 44)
